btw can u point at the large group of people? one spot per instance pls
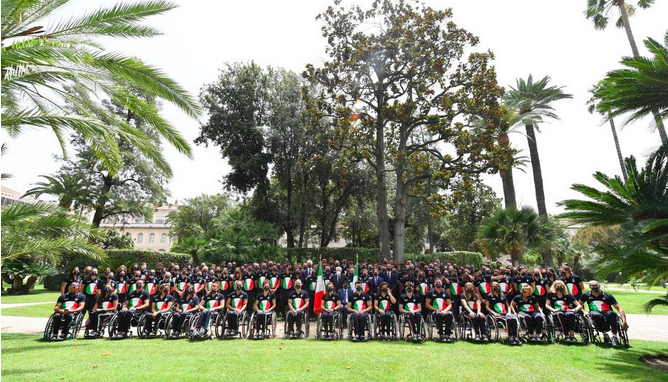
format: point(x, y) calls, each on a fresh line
point(446, 293)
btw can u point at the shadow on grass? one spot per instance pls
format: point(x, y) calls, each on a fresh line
point(627, 365)
point(19, 372)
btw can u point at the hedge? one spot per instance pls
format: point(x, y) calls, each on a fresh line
point(350, 253)
point(459, 257)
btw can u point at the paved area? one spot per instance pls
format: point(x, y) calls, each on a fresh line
point(6, 306)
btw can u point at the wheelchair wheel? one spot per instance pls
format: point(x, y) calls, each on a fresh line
point(168, 325)
point(188, 323)
point(430, 326)
point(318, 328)
point(141, 326)
point(492, 328)
point(252, 323)
point(465, 327)
point(75, 326)
point(594, 335)
point(48, 329)
point(622, 333)
point(219, 325)
point(307, 326)
point(402, 326)
point(244, 324)
point(113, 326)
point(582, 329)
point(395, 327)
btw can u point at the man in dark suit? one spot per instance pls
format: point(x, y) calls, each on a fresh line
point(390, 276)
point(374, 281)
point(344, 293)
point(337, 278)
point(308, 271)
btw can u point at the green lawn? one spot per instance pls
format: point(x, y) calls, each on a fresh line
point(304, 360)
point(43, 310)
point(656, 288)
point(632, 302)
point(39, 294)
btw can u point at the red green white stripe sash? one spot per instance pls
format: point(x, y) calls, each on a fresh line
point(439, 303)
point(91, 288)
point(410, 306)
point(500, 308)
point(298, 303)
point(264, 305)
point(384, 305)
point(424, 289)
point(599, 306)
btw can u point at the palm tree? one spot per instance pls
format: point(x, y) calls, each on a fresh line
point(640, 206)
point(599, 10)
point(533, 101)
point(41, 64)
point(69, 188)
point(640, 88)
point(513, 231)
point(34, 239)
point(594, 107)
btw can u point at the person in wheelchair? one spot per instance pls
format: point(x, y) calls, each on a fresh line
point(359, 305)
point(236, 304)
point(138, 303)
point(409, 306)
point(67, 307)
point(106, 303)
point(497, 305)
point(439, 303)
point(600, 310)
point(298, 303)
point(471, 306)
point(526, 306)
point(383, 303)
point(263, 306)
point(161, 304)
point(185, 306)
point(213, 302)
point(331, 306)
point(564, 307)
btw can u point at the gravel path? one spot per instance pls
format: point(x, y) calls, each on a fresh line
point(641, 327)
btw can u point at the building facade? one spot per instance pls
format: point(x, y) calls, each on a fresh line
point(153, 235)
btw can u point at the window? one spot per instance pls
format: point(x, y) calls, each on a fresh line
point(159, 221)
point(163, 238)
point(137, 221)
point(140, 238)
point(151, 238)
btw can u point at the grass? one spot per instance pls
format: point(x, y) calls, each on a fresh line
point(633, 302)
point(656, 288)
point(43, 310)
point(306, 360)
point(38, 294)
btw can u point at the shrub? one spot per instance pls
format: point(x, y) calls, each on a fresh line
point(303, 254)
point(459, 257)
point(53, 282)
point(127, 257)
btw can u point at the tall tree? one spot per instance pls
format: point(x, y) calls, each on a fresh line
point(71, 189)
point(400, 68)
point(533, 101)
point(595, 107)
point(39, 64)
point(599, 10)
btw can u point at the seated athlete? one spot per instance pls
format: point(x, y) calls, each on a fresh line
point(137, 303)
point(497, 305)
point(526, 305)
point(107, 302)
point(212, 302)
point(409, 305)
point(298, 303)
point(236, 304)
point(383, 303)
point(331, 305)
point(439, 303)
point(471, 307)
point(264, 305)
point(161, 304)
point(68, 305)
point(600, 309)
point(563, 306)
point(359, 305)
point(185, 306)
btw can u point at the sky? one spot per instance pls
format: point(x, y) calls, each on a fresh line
point(526, 36)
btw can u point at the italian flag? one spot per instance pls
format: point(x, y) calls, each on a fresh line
point(439, 303)
point(298, 303)
point(484, 287)
point(135, 302)
point(384, 305)
point(472, 304)
point(572, 288)
point(274, 282)
point(182, 286)
point(319, 291)
point(424, 289)
point(410, 306)
point(264, 305)
point(287, 282)
point(249, 285)
point(185, 307)
point(560, 305)
point(150, 288)
point(505, 287)
point(91, 288)
point(500, 308)
point(224, 285)
point(365, 288)
point(330, 305)
point(212, 304)
point(133, 287)
point(159, 305)
point(209, 284)
point(260, 281)
point(198, 287)
point(311, 285)
point(106, 305)
point(455, 289)
point(359, 305)
point(526, 308)
point(121, 288)
point(355, 276)
point(71, 305)
point(540, 290)
point(522, 286)
point(599, 306)
point(237, 303)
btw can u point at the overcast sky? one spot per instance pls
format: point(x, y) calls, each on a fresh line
point(527, 36)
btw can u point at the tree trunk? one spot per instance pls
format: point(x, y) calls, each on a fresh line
point(507, 181)
point(323, 213)
point(516, 257)
point(302, 217)
point(538, 185)
point(636, 53)
point(619, 149)
point(288, 223)
point(399, 218)
point(430, 233)
point(195, 256)
point(101, 203)
point(381, 182)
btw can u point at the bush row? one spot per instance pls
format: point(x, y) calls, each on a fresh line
point(459, 257)
point(350, 253)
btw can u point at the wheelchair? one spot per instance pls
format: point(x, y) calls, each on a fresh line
point(337, 326)
point(466, 331)
point(404, 328)
point(114, 323)
point(186, 327)
point(161, 327)
point(394, 325)
point(581, 329)
point(497, 328)
point(597, 337)
point(368, 331)
point(306, 325)
point(523, 331)
point(103, 324)
point(72, 331)
point(209, 333)
point(268, 332)
point(431, 326)
point(243, 321)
